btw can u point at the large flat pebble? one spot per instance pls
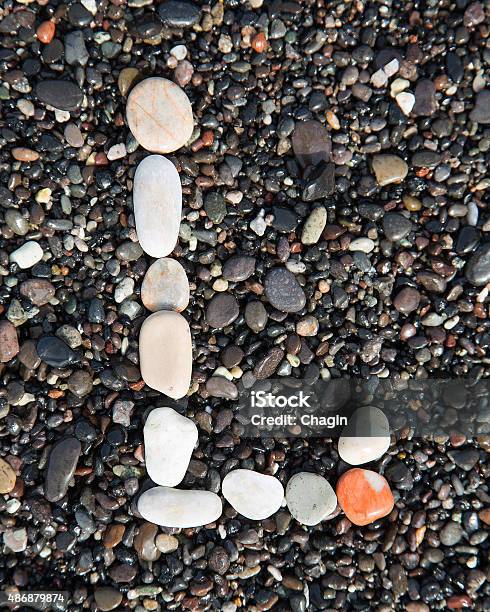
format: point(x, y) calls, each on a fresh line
point(256, 496)
point(310, 498)
point(169, 441)
point(166, 353)
point(157, 201)
point(283, 290)
point(62, 463)
point(159, 115)
point(177, 508)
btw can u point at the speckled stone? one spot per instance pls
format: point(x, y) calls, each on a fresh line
point(9, 343)
point(283, 290)
point(310, 498)
point(165, 286)
point(159, 115)
point(366, 437)
point(389, 169)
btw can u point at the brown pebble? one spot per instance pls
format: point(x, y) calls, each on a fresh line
point(45, 32)
point(259, 43)
point(9, 344)
point(7, 477)
point(24, 154)
point(113, 535)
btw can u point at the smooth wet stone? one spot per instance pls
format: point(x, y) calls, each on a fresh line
point(366, 437)
point(165, 349)
point(165, 286)
point(481, 110)
point(256, 316)
point(7, 477)
point(311, 143)
point(256, 496)
point(159, 115)
point(176, 14)
point(364, 496)
point(222, 310)
point(9, 343)
point(283, 290)
point(62, 464)
point(314, 225)
point(169, 441)
point(389, 169)
point(55, 352)
point(157, 201)
point(310, 498)
point(144, 542)
point(107, 598)
point(396, 226)
point(218, 386)
point(425, 99)
point(177, 508)
point(38, 290)
point(320, 182)
point(28, 255)
point(407, 300)
point(477, 270)
point(468, 239)
point(238, 268)
point(64, 95)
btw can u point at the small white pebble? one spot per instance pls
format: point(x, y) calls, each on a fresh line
point(398, 86)
point(391, 68)
point(223, 372)
point(405, 101)
point(61, 115)
point(366, 245)
point(179, 52)
point(258, 225)
point(27, 255)
point(116, 152)
point(379, 78)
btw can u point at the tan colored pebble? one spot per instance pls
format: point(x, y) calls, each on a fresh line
point(159, 115)
point(7, 477)
point(24, 154)
point(165, 286)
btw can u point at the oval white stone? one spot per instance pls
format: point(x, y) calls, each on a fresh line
point(165, 286)
point(166, 353)
point(256, 496)
point(310, 498)
point(169, 507)
point(366, 437)
point(169, 441)
point(159, 115)
point(157, 202)
point(27, 255)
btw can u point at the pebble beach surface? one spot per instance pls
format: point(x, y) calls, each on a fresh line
point(196, 197)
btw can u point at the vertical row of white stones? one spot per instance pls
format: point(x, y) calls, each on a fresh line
point(160, 117)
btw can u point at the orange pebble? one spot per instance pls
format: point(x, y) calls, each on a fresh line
point(208, 138)
point(45, 32)
point(364, 496)
point(259, 43)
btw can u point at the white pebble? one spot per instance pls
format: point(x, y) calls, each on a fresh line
point(179, 52)
point(116, 152)
point(366, 245)
point(391, 68)
point(27, 255)
point(405, 101)
point(379, 78)
point(177, 508)
point(124, 289)
point(256, 496)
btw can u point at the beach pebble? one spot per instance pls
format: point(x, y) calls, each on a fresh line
point(310, 498)
point(9, 343)
point(477, 270)
point(177, 508)
point(366, 437)
point(314, 226)
point(159, 115)
point(165, 349)
point(364, 496)
point(283, 290)
point(256, 496)
point(169, 441)
point(157, 201)
point(389, 169)
point(311, 143)
point(7, 477)
point(26, 256)
point(165, 286)
point(62, 463)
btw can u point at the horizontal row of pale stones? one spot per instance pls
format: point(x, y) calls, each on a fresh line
point(170, 439)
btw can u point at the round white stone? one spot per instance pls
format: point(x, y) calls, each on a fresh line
point(406, 101)
point(256, 496)
point(169, 441)
point(166, 353)
point(165, 286)
point(157, 202)
point(159, 115)
point(310, 498)
point(366, 245)
point(169, 507)
point(28, 255)
point(366, 437)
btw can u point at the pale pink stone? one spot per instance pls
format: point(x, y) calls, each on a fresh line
point(159, 115)
point(166, 353)
point(165, 286)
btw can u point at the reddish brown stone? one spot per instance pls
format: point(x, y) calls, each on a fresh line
point(9, 344)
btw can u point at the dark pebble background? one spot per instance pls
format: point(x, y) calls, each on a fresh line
point(72, 402)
